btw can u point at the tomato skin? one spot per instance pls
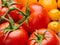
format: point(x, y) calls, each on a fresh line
point(49, 4)
point(38, 18)
point(54, 26)
point(23, 2)
point(16, 37)
point(54, 14)
point(1, 36)
point(50, 38)
point(13, 13)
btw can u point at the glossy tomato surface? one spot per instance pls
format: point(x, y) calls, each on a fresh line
point(50, 38)
point(16, 37)
point(38, 18)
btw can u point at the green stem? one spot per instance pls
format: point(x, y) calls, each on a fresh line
point(20, 12)
point(22, 20)
point(39, 38)
point(11, 22)
point(10, 9)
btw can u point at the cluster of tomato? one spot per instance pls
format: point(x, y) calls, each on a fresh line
point(29, 22)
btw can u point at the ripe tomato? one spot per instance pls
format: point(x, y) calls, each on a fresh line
point(13, 13)
point(49, 4)
point(54, 14)
point(59, 41)
point(1, 36)
point(16, 37)
point(58, 3)
point(24, 2)
point(38, 18)
point(44, 37)
point(54, 26)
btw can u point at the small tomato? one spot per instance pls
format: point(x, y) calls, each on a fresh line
point(54, 26)
point(54, 14)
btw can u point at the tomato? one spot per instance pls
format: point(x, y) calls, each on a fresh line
point(1, 36)
point(49, 4)
point(13, 13)
point(59, 43)
point(24, 2)
point(16, 37)
point(54, 26)
point(54, 14)
point(47, 37)
point(38, 18)
point(58, 2)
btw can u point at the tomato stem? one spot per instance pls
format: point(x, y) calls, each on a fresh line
point(25, 15)
point(10, 8)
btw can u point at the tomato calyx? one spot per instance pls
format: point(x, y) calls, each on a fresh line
point(7, 3)
point(39, 37)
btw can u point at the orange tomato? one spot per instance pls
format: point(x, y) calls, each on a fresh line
point(54, 14)
point(54, 26)
point(58, 3)
point(48, 4)
point(23, 2)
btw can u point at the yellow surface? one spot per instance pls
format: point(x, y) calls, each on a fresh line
point(23, 2)
point(54, 14)
point(54, 26)
point(59, 3)
point(48, 4)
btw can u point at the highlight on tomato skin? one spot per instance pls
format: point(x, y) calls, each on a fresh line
point(38, 18)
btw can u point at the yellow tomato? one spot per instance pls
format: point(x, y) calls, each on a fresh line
point(54, 26)
point(54, 14)
point(23, 2)
point(58, 3)
point(48, 4)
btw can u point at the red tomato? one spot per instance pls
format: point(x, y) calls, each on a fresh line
point(13, 13)
point(38, 18)
point(49, 38)
point(1, 36)
point(16, 37)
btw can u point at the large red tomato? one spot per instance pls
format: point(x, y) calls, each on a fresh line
point(44, 37)
point(16, 37)
point(38, 18)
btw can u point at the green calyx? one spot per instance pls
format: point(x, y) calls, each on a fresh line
point(39, 37)
point(7, 3)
